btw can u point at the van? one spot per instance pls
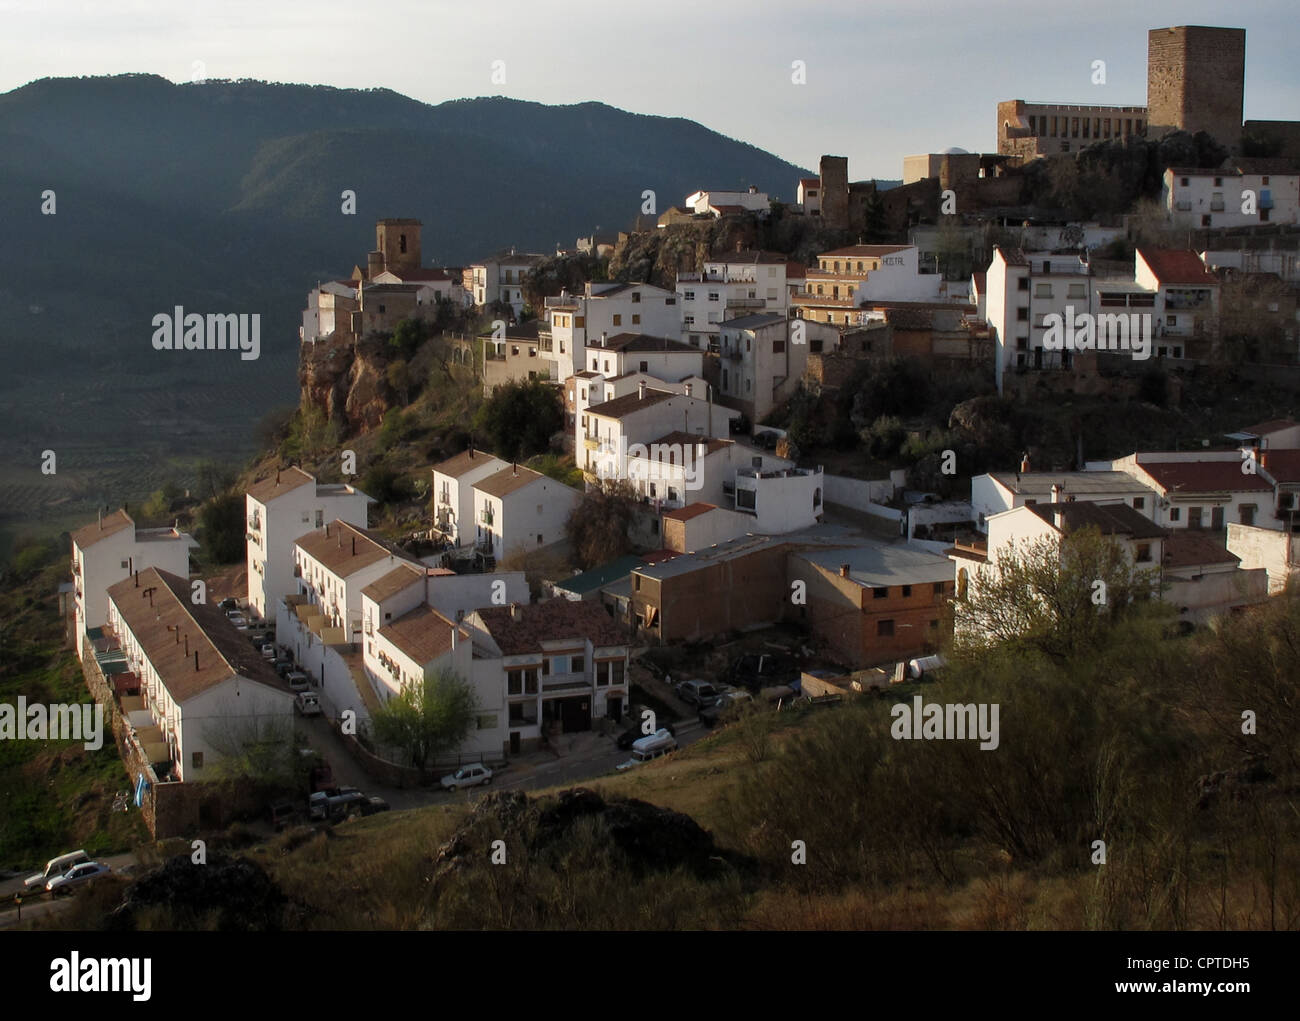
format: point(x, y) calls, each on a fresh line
point(55, 867)
point(653, 746)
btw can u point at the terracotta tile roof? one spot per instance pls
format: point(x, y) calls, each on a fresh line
point(1282, 465)
point(508, 480)
point(286, 480)
point(795, 270)
point(1109, 518)
point(1014, 256)
point(344, 549)
point(691, 510)
point(87, 536)
point(424, 634)
point(620, 407)
point(223, 652)
point(810, 182)
point(1202, 476)
point(1271, 426)
point(1171, 266)
point(397, 580)
point(863, 251)
point(553, 620)
point(1187, 547)
point(981, 281)
point(466, 461)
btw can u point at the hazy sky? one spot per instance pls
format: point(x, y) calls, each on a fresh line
point(884, 78)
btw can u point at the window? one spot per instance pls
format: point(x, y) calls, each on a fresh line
point(884, 629)
point(1023, 284)
point(1022, 315)
point(1171, 320)
point(688, 295)
point(1144, 553)
point(1139, 503)
point(938, 588)
point(713, 296)
point(196, 760)
point(907, 591)
point(636, 320)
point(880, 593)
point(1175, 513)
point(488, 721)
point(1194, 517)
point(636, 582)
point(778, 346)
point(636, 296)
point(1248, 513)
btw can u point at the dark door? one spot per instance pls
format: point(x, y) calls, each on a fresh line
point(1216, 519)
point(575, 715)
point(615, 709)
point(514, 742)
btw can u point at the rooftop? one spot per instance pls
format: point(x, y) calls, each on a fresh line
point(878, 565)
point(1108, 518)
point(754, 322)
point(621, 407)
point(397, 580)
point(466, 461)
point(598, 577)
point(691, 510)
point(111, 524)
point(172, 631)
point(343, 549)
point(1171, 266)
point(286, 480)
point(863, 251)
point(1076, 483)
point(1187, 547)
point(1202, 476)
point(508, 480)
point(642, 342)
point(424, 634)
point(521, 629)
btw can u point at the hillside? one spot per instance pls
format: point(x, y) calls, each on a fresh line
point(225, 196)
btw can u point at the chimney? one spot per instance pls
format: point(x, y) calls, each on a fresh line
point(641, 390)
point(471, 450)
point(1024, 463)
point(1058, 516)
point(844, 570)
point(277, 476)
point(327, 529)
point(187, 644)
point(137, 579)
point(196, 661)
point(514, 611)
point(454, 630)
point(1261, 456)
point(1056, 492)
point(688, 389)
point(603, 337)
point(514, 470)
point(101, 519)
point(354, 546)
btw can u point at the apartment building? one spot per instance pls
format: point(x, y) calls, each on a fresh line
point(763, 357)
point(606, 432)
point(578, 321)
point(500, 277)
point(744, 282)
point(279, 509)
point(996, 492)
point(113, 548)
point(206, 691)
point(518, 510)
point(453, 493)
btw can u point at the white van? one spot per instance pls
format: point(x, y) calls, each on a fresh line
point(652, 746)
point(53, 868)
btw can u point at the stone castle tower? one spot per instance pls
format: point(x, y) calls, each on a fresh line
point(397, 246)
point(834, 174)
point(1196, 81)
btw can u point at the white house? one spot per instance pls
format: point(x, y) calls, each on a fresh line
point(453, 492)
point(996, 492)
point(1244, 192)
point(279, 509)
point(738, 284)
point(560, 665)
point(517, 510)
point(114, 548)
point(724, 203)
point(500, 277)
point(1203, 489)
point(329, 309)
point(763, 358)
point(809, 195)
point(1186, 300)
point(578, 321)
point(659, 357)
point(606, 431)
point(207, 691)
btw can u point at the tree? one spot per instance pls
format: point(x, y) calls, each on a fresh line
point(253, 747)
point(876, 225)
point(598, 527)
point(222, 523)
point(1056, 597)
point(427, 718)
point(407, 337)
point(519, 418)
point(401, 379)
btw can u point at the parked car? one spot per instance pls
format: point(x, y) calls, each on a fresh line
point(307, 703)
point(297, 680)
point(725, 706)
point(633, 734)
point(324, 805)
point(374, 804)
point(697, 693)
point(282, 665)
point(321, 775)
point(55, 867)
point(472, 775)
point(652, 746)
point(237, 618)
point(76, 876)
point(229, 603)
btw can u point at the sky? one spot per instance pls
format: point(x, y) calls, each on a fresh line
point(881, 78)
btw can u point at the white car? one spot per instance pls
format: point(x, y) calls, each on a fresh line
point(76, 876)
point(472, 775)
point(297, 680)
point(307, 703)
point(55, 867)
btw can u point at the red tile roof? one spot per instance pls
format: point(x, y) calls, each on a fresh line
point(424, 634)
point(863, 251)
point(1202, 476)
point(691, 510)
point(1271, 426)
point(1282, 465)
point(83, 538)
point(553, 620)
point(1171, 266)
point(1187, 547)
point(284, 481)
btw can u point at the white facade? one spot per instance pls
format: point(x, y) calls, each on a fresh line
point(1202, 489)
point(453, 492)
point(334, 565)
point(501, 278)
point(606, 431)
point(578, 320)
point(996, 492)
point(518, 510)
point(1228, 197)
point(743, 284)
point(763, 360)
point(753, 201)
point(278, 511)
point(325, 313)
point(112, 549)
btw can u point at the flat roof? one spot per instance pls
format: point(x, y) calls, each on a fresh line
point(1040, 483)
point(879, 565)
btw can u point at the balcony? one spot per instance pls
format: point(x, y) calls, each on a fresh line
point(734, 354)
point(485, 517)
point(444, 498)
point(591, 442)
point(1216, 206)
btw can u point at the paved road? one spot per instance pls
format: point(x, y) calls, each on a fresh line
point(38, 904)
